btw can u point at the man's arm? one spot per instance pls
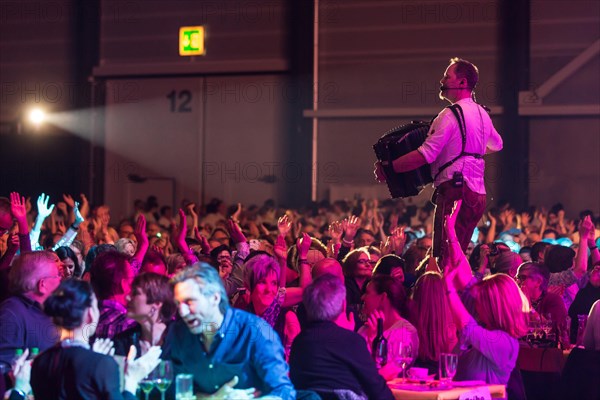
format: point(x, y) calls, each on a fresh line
point(269, 362)
point(409, 162)
point(494, 143)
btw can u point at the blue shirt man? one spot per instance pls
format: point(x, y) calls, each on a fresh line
point(227, 350)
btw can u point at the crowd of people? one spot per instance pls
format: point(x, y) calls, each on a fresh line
point(262, 301)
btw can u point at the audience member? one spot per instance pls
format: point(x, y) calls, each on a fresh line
point(490, 341)
point(71, 369)
point(152, 306)
point(320, 360)
point(430, 313)
point(385, 298)
point(112, 276)
point(33, 277)
point(241, 350)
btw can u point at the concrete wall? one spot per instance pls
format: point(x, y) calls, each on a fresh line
point(565, 150)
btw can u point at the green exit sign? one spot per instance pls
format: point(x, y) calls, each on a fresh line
point(191, 41)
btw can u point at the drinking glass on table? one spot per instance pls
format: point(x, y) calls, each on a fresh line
point(147, 384)
point(402, 353)
point(447, 367)
point(184, 387)
point(163, 376)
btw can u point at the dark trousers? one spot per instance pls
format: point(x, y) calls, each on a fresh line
point(471, 211)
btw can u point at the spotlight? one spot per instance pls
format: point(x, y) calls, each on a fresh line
point(37, 116)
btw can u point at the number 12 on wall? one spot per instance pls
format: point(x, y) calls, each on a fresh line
point(180, 101)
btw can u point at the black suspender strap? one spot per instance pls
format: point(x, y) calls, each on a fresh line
point(460, 117)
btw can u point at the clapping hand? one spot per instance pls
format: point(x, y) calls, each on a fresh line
point(104, 346)
point(21, 370)
point(137, 369)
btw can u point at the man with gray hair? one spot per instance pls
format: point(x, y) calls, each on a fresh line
point(23, 324)
point(220, 346)
point(320, 359)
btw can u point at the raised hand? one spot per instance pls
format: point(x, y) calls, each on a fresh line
point(78, 217)
point(238, 213)
point(586, 227)
point(42, 206)
point(335, 231)
point(386, 246)
point(350, 226)
point(543, 217)
point(451, 221)
point(140, 230)
point(85, 206)
point(284, 225)
point(570, 226)
point(203, 241)
point(69, 200)
point(303, 245)
point(398, 240)
point(18, 208)
point(235, 232)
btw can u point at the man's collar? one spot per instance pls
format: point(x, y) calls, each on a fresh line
point(29, 302)
point(220, 332)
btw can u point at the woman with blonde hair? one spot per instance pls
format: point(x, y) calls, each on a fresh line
point(430, 313)
point(490, 343)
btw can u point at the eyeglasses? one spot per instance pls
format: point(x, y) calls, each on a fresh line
point(366, 262)
point(521, 278)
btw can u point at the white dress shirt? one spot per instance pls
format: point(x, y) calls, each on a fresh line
point(444, 143)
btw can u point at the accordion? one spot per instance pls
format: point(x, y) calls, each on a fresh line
point(398, 142)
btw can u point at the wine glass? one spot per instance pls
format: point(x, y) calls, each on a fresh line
point(163, 376)
point(448, 365)
point(403, 356)
point(147, 384)
point(451, 365)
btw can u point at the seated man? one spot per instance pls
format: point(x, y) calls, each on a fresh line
point(223, 347)
point(327, 358)
point(23, 324)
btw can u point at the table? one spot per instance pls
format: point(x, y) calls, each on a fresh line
point(409, 391)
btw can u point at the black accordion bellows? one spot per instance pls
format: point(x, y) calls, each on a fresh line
point(398, 142)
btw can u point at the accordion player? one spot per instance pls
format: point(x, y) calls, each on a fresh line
point(398, 142)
